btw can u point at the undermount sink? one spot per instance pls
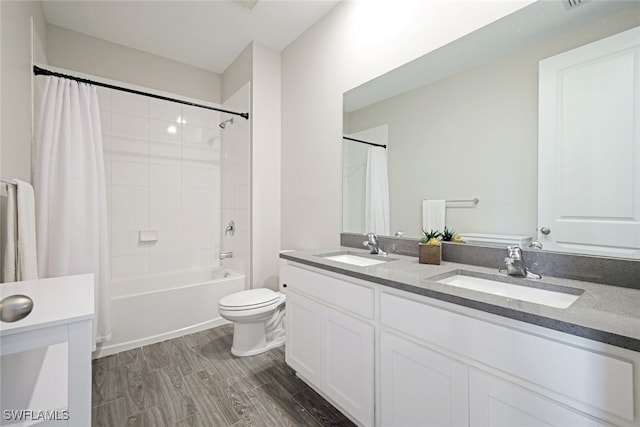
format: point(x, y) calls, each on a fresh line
point(360, 260)
point(538, 292)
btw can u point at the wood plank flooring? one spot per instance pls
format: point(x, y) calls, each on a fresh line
point(196, 381)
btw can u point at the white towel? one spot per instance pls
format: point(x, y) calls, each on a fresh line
point(434, 215)
point(27, 258)
point(20, 261)
point(10, 236)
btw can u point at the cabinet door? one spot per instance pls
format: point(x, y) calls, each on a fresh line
point(421, 387)
point(348, 364)
point(303, 339)
point(495, 402)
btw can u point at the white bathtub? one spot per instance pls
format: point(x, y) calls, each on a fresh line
point(156, 308)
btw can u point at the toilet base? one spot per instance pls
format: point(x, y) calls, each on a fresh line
point(250, 339)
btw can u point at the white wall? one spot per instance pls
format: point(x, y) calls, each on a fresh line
point(236, 183)
point(238, 73)
point(79, 52)
point(357, 41)
point(261, 66)
point(16, 47)
point(266, 136)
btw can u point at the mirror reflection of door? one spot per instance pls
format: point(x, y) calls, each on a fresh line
point(589, 148)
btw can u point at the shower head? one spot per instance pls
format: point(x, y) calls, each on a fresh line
point(224, 124)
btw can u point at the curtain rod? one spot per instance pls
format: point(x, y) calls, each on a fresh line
point(38, 71)
point(364, 142)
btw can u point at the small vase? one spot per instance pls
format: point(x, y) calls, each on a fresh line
point(429, 254)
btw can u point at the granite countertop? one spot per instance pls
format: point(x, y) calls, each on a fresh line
point(603, 313)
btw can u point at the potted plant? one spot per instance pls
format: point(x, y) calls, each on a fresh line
point(429, 249)
point(449, 235)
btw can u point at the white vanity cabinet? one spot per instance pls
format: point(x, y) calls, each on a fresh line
point(494, 402)
point(330, 338)
point(420, 387)
point(45, 358)
point(426, 362)
point(303, 324)
point(509, 376)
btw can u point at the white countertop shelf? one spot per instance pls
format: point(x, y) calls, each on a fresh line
point(56, 301)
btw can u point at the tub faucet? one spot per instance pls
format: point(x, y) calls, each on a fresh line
point(373, 244)
point(515, 264)
point(224, 255)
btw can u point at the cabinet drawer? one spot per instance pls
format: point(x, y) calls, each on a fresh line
point(346, 295)
point(595, 379)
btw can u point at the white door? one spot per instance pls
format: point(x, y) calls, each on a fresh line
point(348, 364)
point(589, 148)
point(494, 402)
point(421, 387)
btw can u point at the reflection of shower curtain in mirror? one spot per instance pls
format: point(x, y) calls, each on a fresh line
point(69, 184)
point(377, 193)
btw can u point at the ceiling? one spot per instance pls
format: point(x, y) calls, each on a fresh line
point(206, 34)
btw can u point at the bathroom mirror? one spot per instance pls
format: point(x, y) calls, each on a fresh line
point(462, 121)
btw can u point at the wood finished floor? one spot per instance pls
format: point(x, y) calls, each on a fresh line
point(196, 381)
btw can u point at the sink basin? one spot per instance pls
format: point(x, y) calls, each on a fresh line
point(360, 260)
point(538, 292)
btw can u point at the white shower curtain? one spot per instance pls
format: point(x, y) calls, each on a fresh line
point(69, 183)
point(377, 193)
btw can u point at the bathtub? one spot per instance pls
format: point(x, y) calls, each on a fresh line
point(156, 308)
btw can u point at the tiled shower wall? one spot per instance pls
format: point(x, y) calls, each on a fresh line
point(163, 173)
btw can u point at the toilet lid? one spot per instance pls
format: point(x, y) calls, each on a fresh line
point(253, 298)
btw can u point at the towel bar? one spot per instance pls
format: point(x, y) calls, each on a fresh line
point(474, 201)
point(9, 181)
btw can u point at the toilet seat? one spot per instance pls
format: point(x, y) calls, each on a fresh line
point(257, 315)
point(249, 300)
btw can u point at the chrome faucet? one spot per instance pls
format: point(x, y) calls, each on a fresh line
point(373, 244)
point(224, 255)
point(535, 244)
point(515, 264)
point(231, 229)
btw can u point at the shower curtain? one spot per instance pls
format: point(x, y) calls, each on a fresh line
point(69, 183)
point(377, 193)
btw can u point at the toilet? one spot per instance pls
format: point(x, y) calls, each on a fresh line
point(258, 316)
